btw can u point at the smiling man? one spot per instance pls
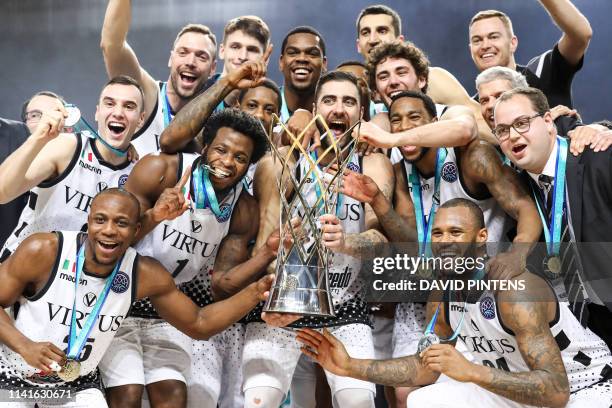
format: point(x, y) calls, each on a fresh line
point(64, 171)
point(271, 355)
point(67, 281)
point(191, 62)
point(209, 239)
point(528, 348)
point(493, 43)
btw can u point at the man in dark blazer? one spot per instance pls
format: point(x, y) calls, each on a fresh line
point(12, 135)
point(527, 135)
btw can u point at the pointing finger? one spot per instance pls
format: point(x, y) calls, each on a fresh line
point(181, 183)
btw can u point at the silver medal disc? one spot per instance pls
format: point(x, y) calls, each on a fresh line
point(553, 264)
point(70, 371)
point(74, 114)
point(426, 341)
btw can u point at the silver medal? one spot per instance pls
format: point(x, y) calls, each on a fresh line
point(427, 340)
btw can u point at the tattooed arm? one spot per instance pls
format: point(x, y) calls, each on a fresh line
point(233, 269)
point(190, 120)
point(377, 171)
point(546, 383)
point(398, 372)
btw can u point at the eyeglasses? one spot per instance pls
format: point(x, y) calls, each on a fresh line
point(521, 125)
point(33, 115)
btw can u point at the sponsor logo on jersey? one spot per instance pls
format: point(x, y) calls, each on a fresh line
point(122, 180)
point(457, 308)
point(89, 167)
point(226, 211)
point(90, 299)
point(350, 212)
point(63, 315)
point(72, 278)
point(487, 307)
point(449, 172)
point(340, 279)
point(196, 226)
point(353, 167)
point(101, 186)
point(78, 200)
point(121, 282)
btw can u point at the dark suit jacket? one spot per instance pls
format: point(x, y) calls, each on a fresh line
point(589, 189)
point(12, 135)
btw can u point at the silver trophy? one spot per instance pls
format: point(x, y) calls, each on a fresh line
point(301, 285)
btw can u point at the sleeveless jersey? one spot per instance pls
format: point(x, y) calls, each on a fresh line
point(345, 281)
point(451, 186)
point(586, 357)
point(46, 316)
point(187, 245)
point(146, 140)
point(63, 202)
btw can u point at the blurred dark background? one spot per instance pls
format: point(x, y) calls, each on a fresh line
point(54, 44)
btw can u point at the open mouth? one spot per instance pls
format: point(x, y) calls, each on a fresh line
point(116, 128)
point(408, 149)
point(301, 73)
point(338, 127)
point(188, 77)
point(518, 149)
point(108, 245)
point(219, 173)
point(487, 56)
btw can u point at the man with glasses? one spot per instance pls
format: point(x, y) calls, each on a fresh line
point(527, 136)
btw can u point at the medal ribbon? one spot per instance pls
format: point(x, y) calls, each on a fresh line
point(430, 327)
point(284, 113)
point(340, 197)
point(77, 342)
point(203, 191)
point(423, 225)
point(552, 230)
point(82, 126)
point(166, 109)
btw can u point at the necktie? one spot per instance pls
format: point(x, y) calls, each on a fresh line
point(546, 184)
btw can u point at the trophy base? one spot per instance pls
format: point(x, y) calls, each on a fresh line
point(303, 301)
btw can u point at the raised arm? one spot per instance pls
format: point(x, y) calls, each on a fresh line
point(24, 273)
point(457, 129)
point(45, 154)
point(119, 57)
point(445, 89)
point(190, 120)
point(577, 31)
point(233, 268)
point(178, 310)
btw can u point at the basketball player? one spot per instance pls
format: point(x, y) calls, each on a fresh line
point(529, 349)
point(74, 291)
point(192, 60)
point(211, 240)
point(271, 354)
point(64, 171)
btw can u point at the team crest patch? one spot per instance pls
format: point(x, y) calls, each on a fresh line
point(449, 172)
point(487, 307)
point(121, 282)
point(226, 210)
point(122, 180)
point(353, 167)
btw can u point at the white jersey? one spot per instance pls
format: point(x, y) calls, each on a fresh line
point(63, 203)
point(46, 316)
point(188, 245)
point(451, 187)
point(146, 140)
point(345, 281)
point(586, 357)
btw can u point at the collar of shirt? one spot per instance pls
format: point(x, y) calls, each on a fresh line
point(549, 168)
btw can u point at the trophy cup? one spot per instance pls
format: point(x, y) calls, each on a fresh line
point(301, 285)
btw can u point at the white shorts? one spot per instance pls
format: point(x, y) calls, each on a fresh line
point(216, 373)
point(146, 351)
point(408, 329)
point(89, 398)
point(382, 335)
point(271, 354)
point(454, 394)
